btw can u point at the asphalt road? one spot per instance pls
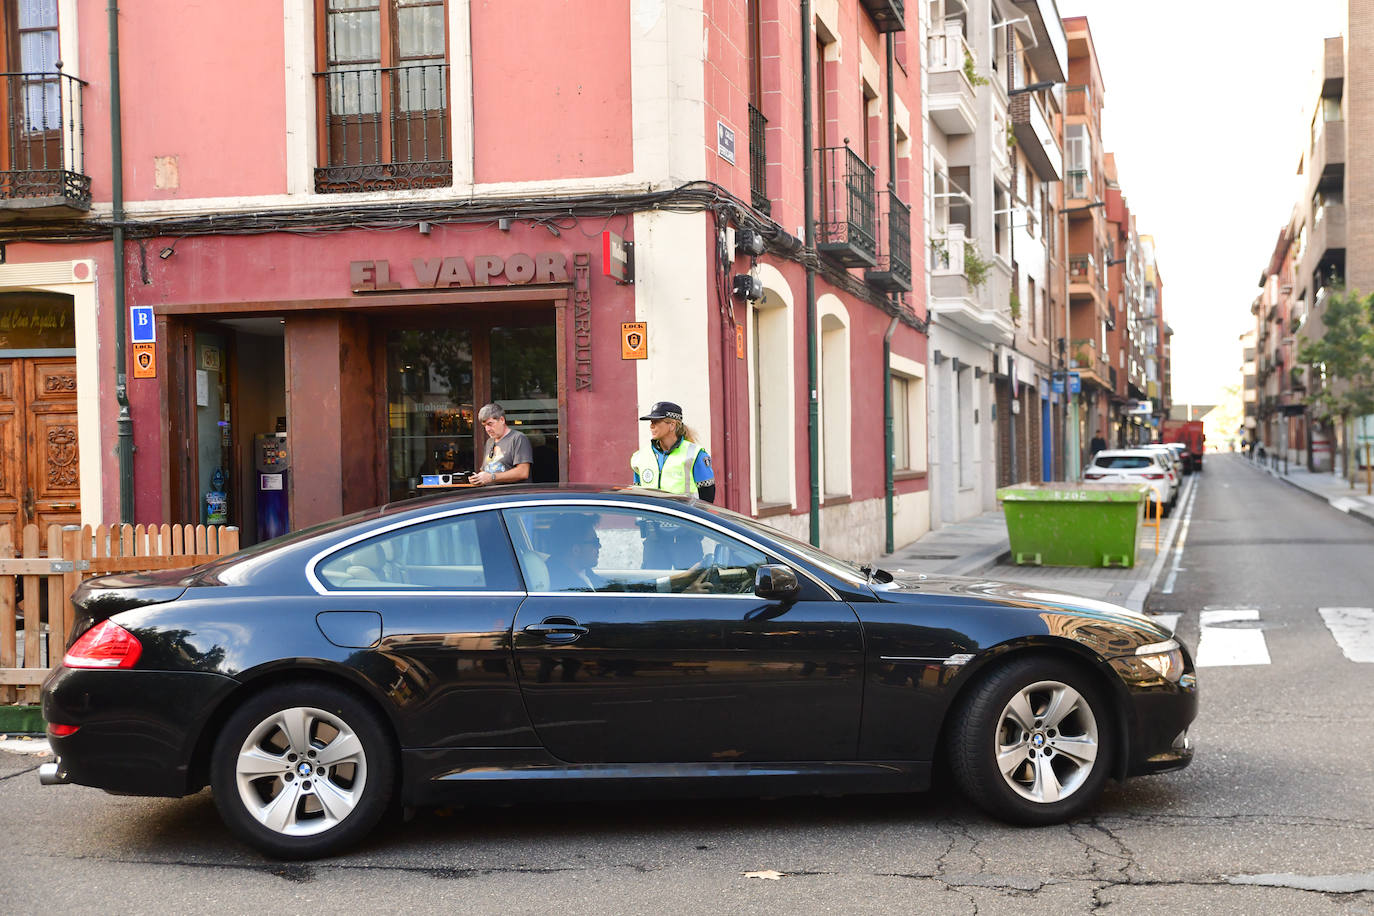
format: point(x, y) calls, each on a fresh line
point(1276, 815)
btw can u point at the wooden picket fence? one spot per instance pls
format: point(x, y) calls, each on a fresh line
point(46, 572)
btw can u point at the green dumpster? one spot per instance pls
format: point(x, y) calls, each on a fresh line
point(1073, 524)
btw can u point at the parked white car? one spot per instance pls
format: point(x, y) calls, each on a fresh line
point(1175, 452)
point(1138, 465)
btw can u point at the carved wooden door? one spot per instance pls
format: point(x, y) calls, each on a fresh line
point(39, 468)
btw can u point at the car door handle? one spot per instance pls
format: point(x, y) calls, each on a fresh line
point(557, 630)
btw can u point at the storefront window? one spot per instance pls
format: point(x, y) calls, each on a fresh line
point(430, 413)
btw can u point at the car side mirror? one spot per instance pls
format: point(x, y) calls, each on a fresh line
point(776, 582)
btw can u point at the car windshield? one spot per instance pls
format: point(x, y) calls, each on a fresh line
point(841, 569)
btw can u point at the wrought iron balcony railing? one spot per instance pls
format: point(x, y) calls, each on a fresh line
point(42, 162)
point(846, 230)
point(385, 129)
point(893, 270)
point(758, 160)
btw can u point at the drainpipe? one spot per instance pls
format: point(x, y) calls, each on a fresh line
point(809, 216)
point(889, 492)
point(125, 446)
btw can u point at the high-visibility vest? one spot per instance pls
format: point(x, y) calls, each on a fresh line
point(676, 476)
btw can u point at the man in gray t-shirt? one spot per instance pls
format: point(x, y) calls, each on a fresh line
point(508, 455)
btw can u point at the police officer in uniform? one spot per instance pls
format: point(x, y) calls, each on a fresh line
point(672, 462)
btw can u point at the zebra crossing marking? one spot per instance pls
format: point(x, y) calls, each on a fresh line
point(1353, 629)
point(1221, 645)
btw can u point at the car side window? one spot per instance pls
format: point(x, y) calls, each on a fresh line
point(596, 549)
point(456, 553)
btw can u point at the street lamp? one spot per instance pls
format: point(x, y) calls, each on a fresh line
point(1033, 87)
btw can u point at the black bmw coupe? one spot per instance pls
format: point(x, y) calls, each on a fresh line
point(520, 643)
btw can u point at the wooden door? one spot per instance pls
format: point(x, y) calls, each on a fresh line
point(39, 465)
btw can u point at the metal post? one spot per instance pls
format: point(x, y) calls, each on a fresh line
point(124, 449)
point(809, 216)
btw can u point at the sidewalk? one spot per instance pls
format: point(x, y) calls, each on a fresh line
point(1336, 491)
point(979, 547)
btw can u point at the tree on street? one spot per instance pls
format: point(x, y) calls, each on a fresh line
point(1341, 382)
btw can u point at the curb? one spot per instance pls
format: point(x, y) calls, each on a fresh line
point(1333, 502)
point(22, 720)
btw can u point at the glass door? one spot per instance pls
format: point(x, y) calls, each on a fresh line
point(524, 381)
point(430, 412)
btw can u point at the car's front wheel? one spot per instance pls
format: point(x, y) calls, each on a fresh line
point(1031, 744)
point(302, 770)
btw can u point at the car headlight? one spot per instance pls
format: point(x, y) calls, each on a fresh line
point(1166, 658)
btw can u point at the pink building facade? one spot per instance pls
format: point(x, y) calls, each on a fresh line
point(348, 227)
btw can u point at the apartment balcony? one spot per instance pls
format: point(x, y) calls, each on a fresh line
point(847, 229)
point(952, 96)
point(965, 288)
point(893, 271)
point(1088, 361)
point(1036, 138)
point(1326, 168)
point(1078, 187)
point(758, 161)
point(42, 161)
point(1049, 53)
point(1324, 255)
point(385, 129)
point(887, 15)
point(1078, 101)
point(1333, 67)
point(1085, 283)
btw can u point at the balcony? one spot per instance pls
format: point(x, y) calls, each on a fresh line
point(964, 287)
point(1085, 359)
point(893, 271)
point(758, 161)
point(887, 15)
point(1079, 101)
point(1327, 166)
point(1078, 186)
point(846, 231)
point(386, 129)
point(1333, 67)
point(1084, 281)
point(951, 93)
point(1036, 139)
point(42, 161)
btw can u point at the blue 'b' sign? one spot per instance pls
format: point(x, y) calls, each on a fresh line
point(141, 324)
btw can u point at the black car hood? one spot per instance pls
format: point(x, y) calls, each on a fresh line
point(1033, 598)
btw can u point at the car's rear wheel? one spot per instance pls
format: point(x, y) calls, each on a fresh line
point(301, 770)
point(1031, 744)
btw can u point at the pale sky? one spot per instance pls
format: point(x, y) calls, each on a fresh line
point(1204, 103)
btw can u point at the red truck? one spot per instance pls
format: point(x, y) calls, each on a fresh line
point(1189, 433)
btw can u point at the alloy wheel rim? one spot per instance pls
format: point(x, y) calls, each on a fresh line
point(301, 771)
point(1046, 742)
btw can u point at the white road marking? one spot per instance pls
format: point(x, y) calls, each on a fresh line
point(1168, 621)
point(1168, 588)
point(1220, 645)
point(1353, 628)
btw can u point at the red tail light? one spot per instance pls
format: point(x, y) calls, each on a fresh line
point(1093, 476)
point(1154, 476)
point(61, 731)
point(105, 645)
